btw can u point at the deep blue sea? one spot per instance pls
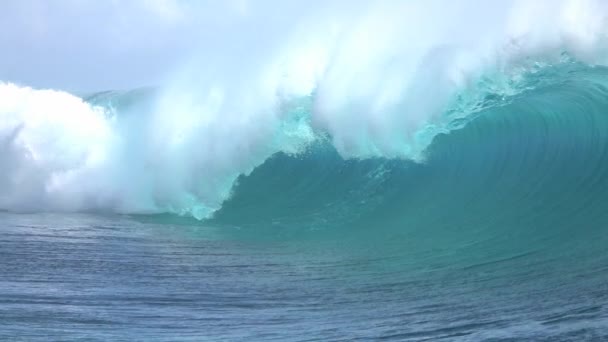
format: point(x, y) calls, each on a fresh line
point(100, 278)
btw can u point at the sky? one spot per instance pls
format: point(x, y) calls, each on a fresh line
point(87, 45)
point(90, 45)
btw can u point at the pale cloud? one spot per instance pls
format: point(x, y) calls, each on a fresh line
point(91, 45)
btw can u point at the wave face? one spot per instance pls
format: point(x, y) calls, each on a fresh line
point(533, 160)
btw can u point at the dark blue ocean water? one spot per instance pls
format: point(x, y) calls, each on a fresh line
point(100, 278)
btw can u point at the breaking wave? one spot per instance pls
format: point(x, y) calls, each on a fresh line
point(354, 119)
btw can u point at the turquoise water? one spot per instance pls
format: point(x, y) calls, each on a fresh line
point(495, 231)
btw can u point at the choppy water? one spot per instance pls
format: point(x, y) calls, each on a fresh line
point(80, 277)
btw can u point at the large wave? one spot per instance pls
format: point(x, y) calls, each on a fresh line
point(347, 119)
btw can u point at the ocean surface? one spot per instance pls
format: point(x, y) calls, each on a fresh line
point(144, 215)
point(96, 278)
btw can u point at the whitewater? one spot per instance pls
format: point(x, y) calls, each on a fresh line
point(180, 148)
point(389, 170)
